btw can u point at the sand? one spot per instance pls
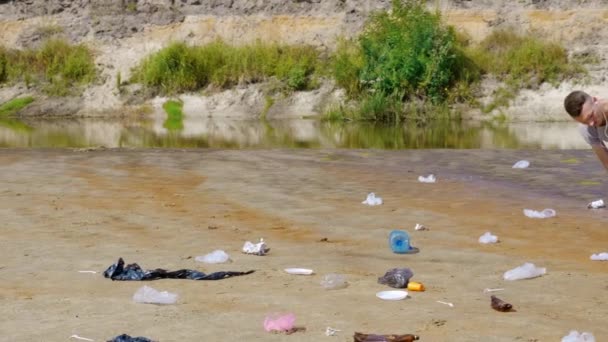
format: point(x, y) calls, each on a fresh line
point(70, 210)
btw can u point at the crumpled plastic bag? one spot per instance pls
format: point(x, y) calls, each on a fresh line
point(540, 214)
point(148, 295)
point(279, 323)
point(119, 271)
point(396, 277)
point(599, 257)
point(216, 257)
point(372, 199)
point(596, 204)
point(488, 238)
point(428, 179)
point(525, 271)
point(259, 248)
point(522, 164)
point(127, 338)
point(575, 336)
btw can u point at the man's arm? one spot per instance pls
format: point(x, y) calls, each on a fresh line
point(602, 154)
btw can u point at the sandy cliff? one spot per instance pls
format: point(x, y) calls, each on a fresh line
point(123, 31)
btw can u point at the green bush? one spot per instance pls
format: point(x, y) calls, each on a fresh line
point(3, 65)
point(409, 53)
point(179, 67)
point(14, 105)
point(60, 66)
point(175, 117)
point(347, 63)
point(524, 60)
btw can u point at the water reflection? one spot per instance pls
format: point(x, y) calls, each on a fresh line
point(205, 132)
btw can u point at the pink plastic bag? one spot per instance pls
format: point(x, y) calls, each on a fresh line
point(279, 323)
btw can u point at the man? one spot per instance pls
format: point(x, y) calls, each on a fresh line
point(592, 113)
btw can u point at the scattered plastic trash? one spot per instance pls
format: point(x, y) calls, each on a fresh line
point(491, 290)
point(334, 281)
point(329, 331)
point(539, 214)
point(87, 271)
point(446, 303)
point(119, 271)
point(399, 241)
point(259, 248)
point(392, 295)
point(372, 199)
point(127, 338)
point(279, 323)
point(415, 286)
point(360, 337)
point(299, 271)
point(522, 164)
point(396, 277)
point(575, 336)
point(525, 271)
point(488, 238)
point(596, 204)
point(599, 256)
point(499, 304)
point(148, 295)
point(420, 227)
point(428, 179)
point(216, 257)
point(81, 338)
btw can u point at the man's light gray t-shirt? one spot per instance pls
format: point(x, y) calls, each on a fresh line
point(594, 136)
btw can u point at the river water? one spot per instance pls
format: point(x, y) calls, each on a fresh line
point(301, 133)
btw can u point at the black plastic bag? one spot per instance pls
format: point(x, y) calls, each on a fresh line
point(127, 338)
point(397, 277)
point(119, 271)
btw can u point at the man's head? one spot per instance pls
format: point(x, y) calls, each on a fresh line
point(584, 108)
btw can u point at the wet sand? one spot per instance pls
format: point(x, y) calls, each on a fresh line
point(70, 210)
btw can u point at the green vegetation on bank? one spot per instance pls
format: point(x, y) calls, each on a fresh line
point(175, 117)
point(521, 62)
point(14, 105)
point(407, 64)
point(180, 68)
point(57, 66)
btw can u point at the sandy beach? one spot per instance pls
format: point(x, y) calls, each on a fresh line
point(65, 211)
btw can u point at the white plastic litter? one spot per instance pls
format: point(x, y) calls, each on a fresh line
point(488, 238)
point(420, 227)
point(540, 214)
point(148, 295)
point(334, 281)
point(87, 271)
point(446, 303)
point(491, 290)
point(522, 164)
point(575, 336)
point(372, 199)
point(216, 257)
point(259, 248)
point(299, 271)
point(392, 295)
point(596, 204)
point(428, 179)
point(81, 338)
point(600, 257)
point(331, 331)
point(525, 271)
